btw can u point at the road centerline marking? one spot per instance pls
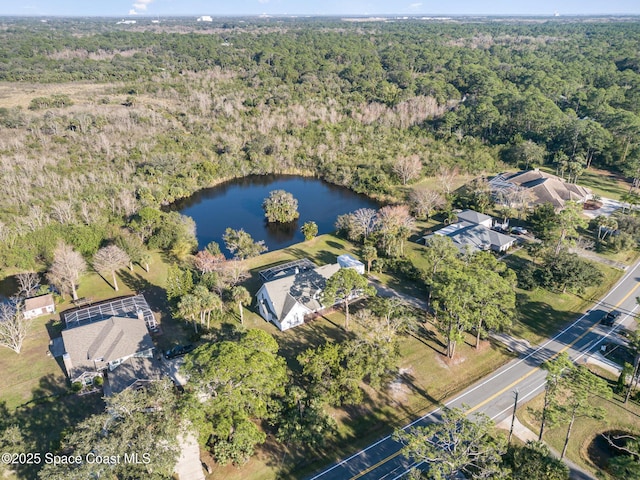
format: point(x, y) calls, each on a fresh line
point(596, 303)
point(516, 382)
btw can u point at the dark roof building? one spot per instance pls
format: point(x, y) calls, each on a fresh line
point(477, 218)
point(473, 232)
point(467, 235)
point(135, 372)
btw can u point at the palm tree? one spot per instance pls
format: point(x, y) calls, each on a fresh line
point(209, 301)
point(242, 297)
point(189, 307)
point(369, 254)
point(145, 259)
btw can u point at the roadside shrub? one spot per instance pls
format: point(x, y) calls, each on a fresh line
point(76, 386)
point(98, 381)
point(404, 267)
point(527, 278)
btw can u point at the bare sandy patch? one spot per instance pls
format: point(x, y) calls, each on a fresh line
point(398, 389)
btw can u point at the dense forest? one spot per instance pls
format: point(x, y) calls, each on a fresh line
point(157, 112)
point(103, 126)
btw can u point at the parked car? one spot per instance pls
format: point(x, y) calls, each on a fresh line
point(499, 229)
point(179, 350)
point(519, 231)
point(610, 318)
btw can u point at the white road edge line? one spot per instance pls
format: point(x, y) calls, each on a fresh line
point(586, 350)
point(597, 304)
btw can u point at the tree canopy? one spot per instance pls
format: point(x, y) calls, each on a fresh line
point(280, 206)
point(233, 384)
point(344, 286)
point(241, 244)
point(457, 445)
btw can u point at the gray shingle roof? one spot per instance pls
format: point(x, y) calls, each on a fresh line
point(300, 288)
point(91, 347)
point(473, 217)
point(466, 234)
point(133, 370)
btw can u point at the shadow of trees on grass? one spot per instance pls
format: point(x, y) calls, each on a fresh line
point(43, 420)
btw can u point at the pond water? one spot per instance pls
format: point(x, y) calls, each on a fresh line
point(238, 204)
point(8, 288)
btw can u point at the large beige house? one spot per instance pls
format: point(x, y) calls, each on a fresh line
point(538, 188)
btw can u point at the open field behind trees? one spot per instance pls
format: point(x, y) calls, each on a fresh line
point(99, 121)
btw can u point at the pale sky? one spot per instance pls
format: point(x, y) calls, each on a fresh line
point(315, 7)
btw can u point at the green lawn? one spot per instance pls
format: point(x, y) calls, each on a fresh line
point(322, 250)
point(23, 373)
point(619, 416)
point(541, 312)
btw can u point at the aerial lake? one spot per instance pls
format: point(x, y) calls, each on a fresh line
point(238, 204)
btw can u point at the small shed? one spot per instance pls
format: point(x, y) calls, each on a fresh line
point(37, 306)
point(347, 261)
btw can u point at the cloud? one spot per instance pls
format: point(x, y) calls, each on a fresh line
point(139, 6)
point(415, 5)
point(263, 1)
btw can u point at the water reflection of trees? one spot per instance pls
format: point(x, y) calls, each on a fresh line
point(281, 232)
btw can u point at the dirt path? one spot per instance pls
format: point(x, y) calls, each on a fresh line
point(597, 258)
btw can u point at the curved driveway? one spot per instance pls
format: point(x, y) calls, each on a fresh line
point(494, 394)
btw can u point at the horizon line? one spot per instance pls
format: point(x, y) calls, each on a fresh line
point(327, 15)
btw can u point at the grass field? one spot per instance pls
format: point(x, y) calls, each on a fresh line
point(426, 377)
point(619, 416)
point(541, 312)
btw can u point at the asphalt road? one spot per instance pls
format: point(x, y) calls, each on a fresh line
point(494, 394)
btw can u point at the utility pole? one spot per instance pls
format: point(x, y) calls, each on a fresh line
point(513, 417)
